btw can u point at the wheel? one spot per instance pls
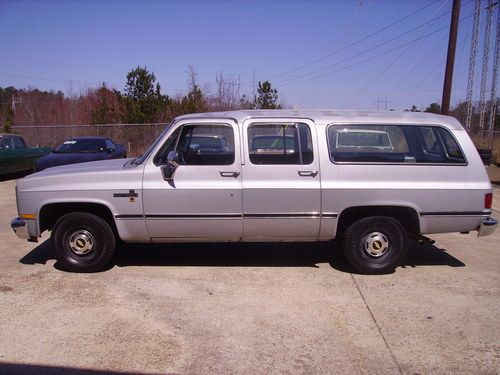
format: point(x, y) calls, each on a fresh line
point(375, 245)
point(83, 242)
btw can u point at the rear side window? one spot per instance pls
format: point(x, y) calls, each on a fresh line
point(289, 143)
point(393, 144)
point(439, 146)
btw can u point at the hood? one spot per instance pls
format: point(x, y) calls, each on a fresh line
point(55, 159)
point(83, 176)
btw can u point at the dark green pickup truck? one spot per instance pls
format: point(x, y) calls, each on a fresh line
point(15, 156)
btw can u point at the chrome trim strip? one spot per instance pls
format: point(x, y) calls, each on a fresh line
point(458, 213)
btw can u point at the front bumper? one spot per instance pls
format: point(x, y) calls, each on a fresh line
point(20, 227)
point(487, 227)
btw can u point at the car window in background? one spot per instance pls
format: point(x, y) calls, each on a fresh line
point(5, 143)
point(81, 145)
point(18, 142)
point(110, 144)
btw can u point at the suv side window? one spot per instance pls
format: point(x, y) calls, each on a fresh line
point(393, 144)
point(369, 144)
point(439, 146)
point(200, 145)
point(289, 143)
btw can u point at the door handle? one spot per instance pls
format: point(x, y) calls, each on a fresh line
point(308, 173)
point(229, 174)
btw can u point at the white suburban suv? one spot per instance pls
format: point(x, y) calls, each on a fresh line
point(371, 179)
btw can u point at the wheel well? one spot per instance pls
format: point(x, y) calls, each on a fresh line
point(50, 213)
point(407, 216)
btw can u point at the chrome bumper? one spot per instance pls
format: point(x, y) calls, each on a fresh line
point(20, 227)
point(487, 227)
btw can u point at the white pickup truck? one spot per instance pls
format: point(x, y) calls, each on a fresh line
point(371, 179)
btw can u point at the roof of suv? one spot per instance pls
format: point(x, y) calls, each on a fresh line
point(331, 116)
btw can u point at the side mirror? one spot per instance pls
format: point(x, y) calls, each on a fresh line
point(110, 150)
point(169, 169)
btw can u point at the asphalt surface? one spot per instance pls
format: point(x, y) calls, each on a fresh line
point(250, 309)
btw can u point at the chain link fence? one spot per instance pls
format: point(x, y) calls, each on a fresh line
point(136, 138)
point(487, 141)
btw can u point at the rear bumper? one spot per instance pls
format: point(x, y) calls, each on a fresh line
point(487, 227)
point(20, 227)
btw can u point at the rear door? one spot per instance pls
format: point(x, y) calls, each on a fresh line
point(281, 180)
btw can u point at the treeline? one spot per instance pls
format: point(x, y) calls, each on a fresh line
point(140, 102)
point(460, 113)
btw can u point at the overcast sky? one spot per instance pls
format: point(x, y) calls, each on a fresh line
point(300, 46)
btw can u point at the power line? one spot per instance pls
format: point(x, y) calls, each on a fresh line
point(368, 85)
point(365, 51)
point(355, 43)
point(372, 57)
point(431, 51)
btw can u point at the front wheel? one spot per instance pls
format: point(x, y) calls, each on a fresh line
point(83, 242)
point(375, 245)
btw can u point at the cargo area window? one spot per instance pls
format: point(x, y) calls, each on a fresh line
point(280, 143)
point(200, 145)
point(393, 144)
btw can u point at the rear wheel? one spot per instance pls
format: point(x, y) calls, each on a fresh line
point(375, 245)
point(83, 242)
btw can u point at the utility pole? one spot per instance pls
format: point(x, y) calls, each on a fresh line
point(378, 101)
point(450, 58)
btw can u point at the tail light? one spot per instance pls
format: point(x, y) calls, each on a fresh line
point(488, 200)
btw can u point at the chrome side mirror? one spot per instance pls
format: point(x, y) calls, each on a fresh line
point(169, 169)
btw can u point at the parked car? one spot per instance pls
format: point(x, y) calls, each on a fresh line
point(80, 150)
point(15, 156)
point(431, 180)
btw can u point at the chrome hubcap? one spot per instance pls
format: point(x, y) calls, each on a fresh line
point(375, 244)
point(81, 242)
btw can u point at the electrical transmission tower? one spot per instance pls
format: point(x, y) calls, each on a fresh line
point(472, 61)
point(484, 68)
point(493, 98)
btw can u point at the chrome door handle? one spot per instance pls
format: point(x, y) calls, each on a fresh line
point(308, 173)
point(229, 174)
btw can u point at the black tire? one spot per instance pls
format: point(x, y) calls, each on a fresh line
point(375, 245)
point(84, 229)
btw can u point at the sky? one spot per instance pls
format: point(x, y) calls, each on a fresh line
point(317, 54)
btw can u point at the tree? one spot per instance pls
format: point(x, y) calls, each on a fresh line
point(227, 92)
point(143, 101)
point(267, 97)
point(413, 109)
point(9, 120)
point(194, 101)
point(106, 107)
point(246, 104)
point(433, 108)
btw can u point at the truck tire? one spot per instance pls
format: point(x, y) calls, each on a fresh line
point(375, 245)
point(82, 242)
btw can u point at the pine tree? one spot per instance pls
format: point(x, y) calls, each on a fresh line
point(267, 97)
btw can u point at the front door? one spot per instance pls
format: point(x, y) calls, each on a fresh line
point(203, 200)
point(281, 181)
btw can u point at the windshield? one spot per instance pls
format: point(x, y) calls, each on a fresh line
point(81, 146)
point(144, 156)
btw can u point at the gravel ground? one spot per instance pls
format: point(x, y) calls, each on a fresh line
point(243, 308)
